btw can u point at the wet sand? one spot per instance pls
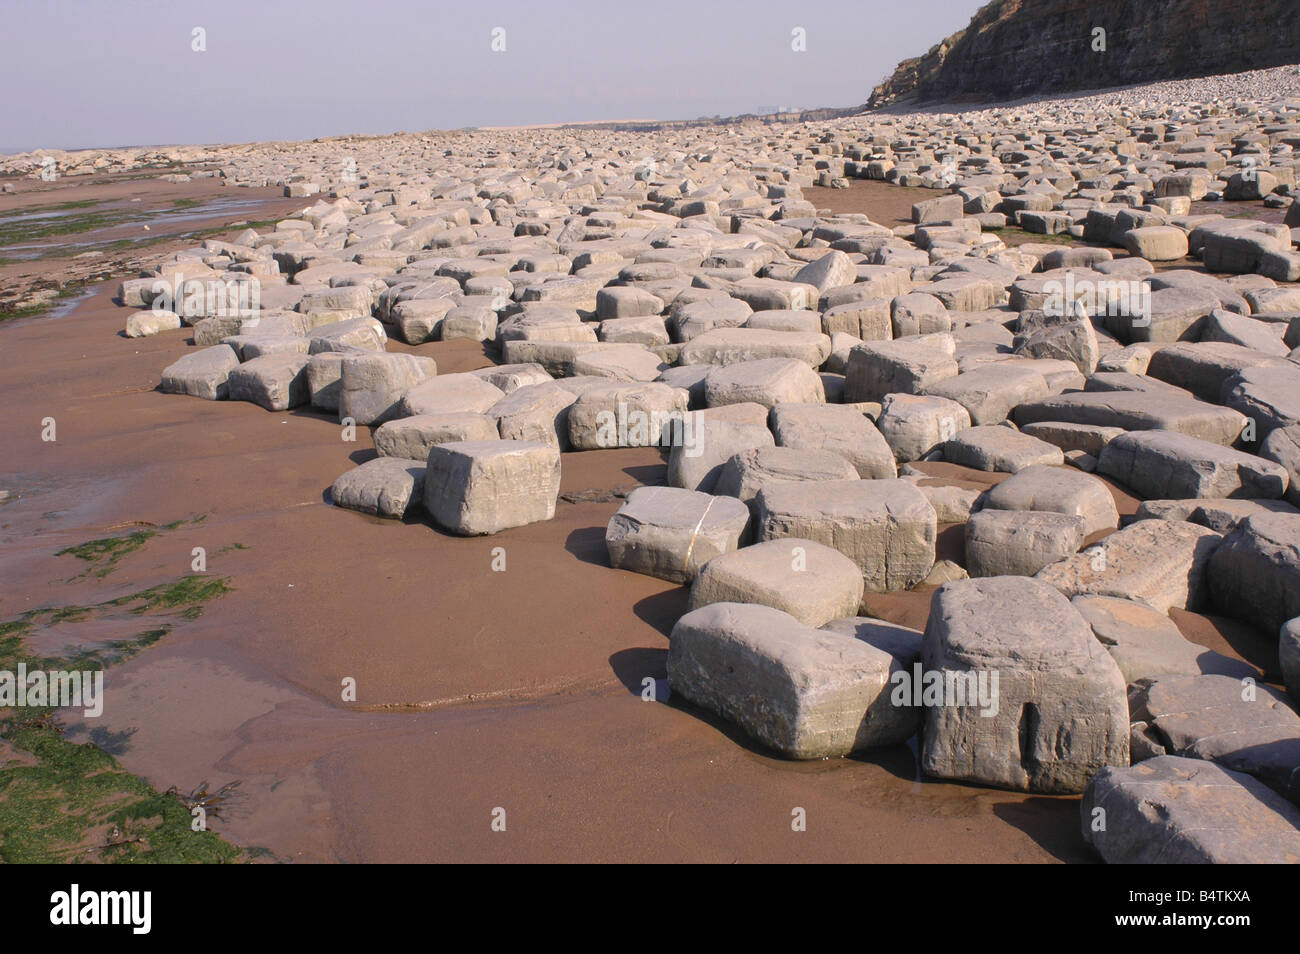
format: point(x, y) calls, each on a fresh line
point(479, 689)
point(475, 689)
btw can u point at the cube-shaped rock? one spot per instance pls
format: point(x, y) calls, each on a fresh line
point(1057, 713)
point(670, 533)
point(1255, 574)
point(1019, 542)
point(915, 425)
point(812, 582)
point(276, 382)
point(887, 527)
point(626, 415)
point(748, 472)
point(385, 487)
point(837, 428)
point(412, 437)
point(767, 382)
point(479, 487)
point(806, 693)
point(372, 386)
point(878, 368)
point(535, 412)
point(204, 373)
point(1060, 491)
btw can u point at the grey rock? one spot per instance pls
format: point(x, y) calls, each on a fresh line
point(384, 487)
point(1019, 542)
point(887, 527)
point(806, 693)
point(836, 428)
point(473, 488)
point(996, 448)
point(203, 374)
point(1255, 574)
point(1173, 810)
point(1060, 712)
point(1241, 726)
point(412, 437)
point(1159, 562)
point(812, 582)
point(1166, 465)
point(669, 533)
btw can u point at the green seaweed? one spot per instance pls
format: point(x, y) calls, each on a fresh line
point(69, 802)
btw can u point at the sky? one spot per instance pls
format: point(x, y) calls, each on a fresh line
point(98, 73)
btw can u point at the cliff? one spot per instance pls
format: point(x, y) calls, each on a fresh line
point(1015, 48)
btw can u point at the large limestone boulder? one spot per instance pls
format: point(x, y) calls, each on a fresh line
point(1167, 465)
point(812, 582)
point(473, 488)
point(412, 437)
point(887, 527)
point(1137, 411)
point(450, 394)
point(1157, 243)
point(767, 382)
point(535, 412)
point(1019, 542)
point(1238, 724)
point(996, 448)
point(364, 333)
point(1057, 490)
point(384, 487)
point(878, 368)
point(670, 533)
point(1162, 563)
point(1173, 810)
point(837, 428)
point(1255, 574)
point(806, 693)
point(626, 415)
point(914, 425)
point(1203, 367)
point(372, 386)
point(990, 392)
point(276, 382)
point(627, 363)
point(1267, 394)
point(712, 437)
point(738, 345)
point(145, 324)
point(1058, 714)
point(1146, 643)
point(746, 473)
point(204, 373)
point(325, 380)
point(1067, 337)
point(832, 270)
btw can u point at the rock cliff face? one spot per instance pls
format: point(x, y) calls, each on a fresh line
point(1017, 48)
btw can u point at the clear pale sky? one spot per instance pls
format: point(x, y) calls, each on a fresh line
point(79, 73)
